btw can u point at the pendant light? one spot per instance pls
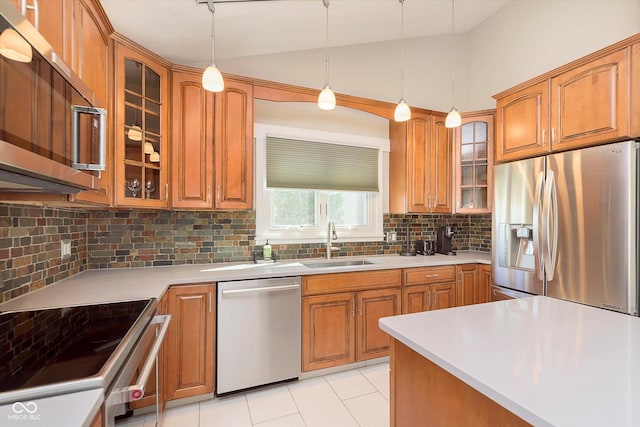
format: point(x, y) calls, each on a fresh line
point(135, 131)
point(327, 99)
point(402, 112)
point(14, 47)
point(148, 148)
point(212, 78)
point(453, 118)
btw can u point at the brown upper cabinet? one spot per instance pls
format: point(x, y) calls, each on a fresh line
point(212, 144)
point(192, 165)
point(590, 101)
point(473, 146)
point(234, 145)
point(53, 21)
point(420, 164)
point(78, 31)
point(141, 129)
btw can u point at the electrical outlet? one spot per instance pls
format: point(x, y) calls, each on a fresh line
point(65, 249)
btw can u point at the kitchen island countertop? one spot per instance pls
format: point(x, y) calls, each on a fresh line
point(125, 284)
point(549, 361)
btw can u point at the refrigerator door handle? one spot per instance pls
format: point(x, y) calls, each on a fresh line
point(537, 232)
point(550, 225)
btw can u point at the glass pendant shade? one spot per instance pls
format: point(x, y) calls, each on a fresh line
point(453, 119)
point(402, 112)
point(327, 99)
point(154, 157)
point(212, 79)
point(14, 47)
point(148, 148)
point(135, 133)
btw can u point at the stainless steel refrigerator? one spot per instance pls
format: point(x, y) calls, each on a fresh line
point(566, 225)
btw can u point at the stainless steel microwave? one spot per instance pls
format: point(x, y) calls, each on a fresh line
point(52, 132)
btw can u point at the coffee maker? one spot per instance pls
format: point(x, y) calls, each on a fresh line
point(444, 236)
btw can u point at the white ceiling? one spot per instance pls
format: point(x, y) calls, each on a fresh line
point(180, 30)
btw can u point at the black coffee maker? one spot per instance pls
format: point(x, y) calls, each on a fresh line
point(444, 236)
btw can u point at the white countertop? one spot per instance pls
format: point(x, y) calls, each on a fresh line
point(73, 409)
point(125, 284)
point(551, 362)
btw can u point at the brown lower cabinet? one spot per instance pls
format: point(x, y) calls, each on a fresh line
point(485, 278)
point(468, 286)
point(190, 341)
point(424, 394)
point(428, 288)
point(342, 327)
point(187, 356)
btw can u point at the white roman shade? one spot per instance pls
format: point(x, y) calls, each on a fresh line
point(294, 163)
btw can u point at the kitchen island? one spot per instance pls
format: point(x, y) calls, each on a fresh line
point(534, 360)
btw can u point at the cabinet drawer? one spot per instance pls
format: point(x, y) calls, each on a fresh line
point(341, 282)
point(421, 276)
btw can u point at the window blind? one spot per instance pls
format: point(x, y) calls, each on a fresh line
point(294, 163)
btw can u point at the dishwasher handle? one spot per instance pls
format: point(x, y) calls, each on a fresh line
point(230, 292)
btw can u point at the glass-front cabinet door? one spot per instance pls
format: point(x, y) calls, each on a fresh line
point(474, 160)
point(141, 130)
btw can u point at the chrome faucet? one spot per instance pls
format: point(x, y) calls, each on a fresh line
point(331, 235)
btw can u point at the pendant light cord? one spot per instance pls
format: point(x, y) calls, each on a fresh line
point(326, 55)
point(213, 29)
point(402, 51)
point(453, 49)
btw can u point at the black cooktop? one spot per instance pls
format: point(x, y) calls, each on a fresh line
point(43, 347)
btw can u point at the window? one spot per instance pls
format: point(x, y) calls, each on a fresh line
point(339, 186)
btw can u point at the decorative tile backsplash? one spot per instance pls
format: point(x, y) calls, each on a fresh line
point(30, 247)
point(30, 240)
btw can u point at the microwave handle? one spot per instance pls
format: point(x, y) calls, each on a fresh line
point(101, 115)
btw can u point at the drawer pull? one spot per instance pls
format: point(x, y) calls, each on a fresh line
point(429, 276)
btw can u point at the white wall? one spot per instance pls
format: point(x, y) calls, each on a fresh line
point(527, 38)
point(523, 39)
point(370, 70)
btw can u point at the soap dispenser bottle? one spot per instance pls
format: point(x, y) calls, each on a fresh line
point(266, 251)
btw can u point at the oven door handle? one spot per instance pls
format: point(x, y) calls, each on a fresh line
point(136, 391)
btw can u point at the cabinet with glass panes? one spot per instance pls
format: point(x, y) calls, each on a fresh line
point(474, 161)
point(141, 129)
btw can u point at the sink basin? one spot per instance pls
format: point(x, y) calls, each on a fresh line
point(337, 263)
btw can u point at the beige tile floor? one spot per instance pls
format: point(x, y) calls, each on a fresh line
point(355, 398)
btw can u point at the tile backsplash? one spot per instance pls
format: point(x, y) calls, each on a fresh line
point(30, 240)
point(30, 247)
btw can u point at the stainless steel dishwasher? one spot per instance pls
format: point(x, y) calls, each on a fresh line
point(258, 331)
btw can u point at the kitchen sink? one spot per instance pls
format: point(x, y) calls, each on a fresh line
point(337, 263)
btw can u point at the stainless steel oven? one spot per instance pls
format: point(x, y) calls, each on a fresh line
point(142, 361)
point(56, 351)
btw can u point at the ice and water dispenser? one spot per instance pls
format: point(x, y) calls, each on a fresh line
point(516, 248)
